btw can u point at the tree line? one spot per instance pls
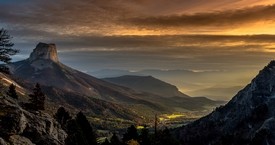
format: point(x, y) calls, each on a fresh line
point(36, 100)
point(144, 137)
point(80, 132)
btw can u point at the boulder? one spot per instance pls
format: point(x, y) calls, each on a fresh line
point(19, 140)
point(36, 127)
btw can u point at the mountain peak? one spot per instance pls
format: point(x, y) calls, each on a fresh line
point(44, 51)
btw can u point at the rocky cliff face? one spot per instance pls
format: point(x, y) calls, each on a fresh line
point(248, 119)
point(44, 51)
point(19, 126)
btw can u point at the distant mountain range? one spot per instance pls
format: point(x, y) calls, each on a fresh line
point(106, 73)
point(248, 119)
point(192, 82)
point(78, 90)
point(174, 98)
point(147, 84)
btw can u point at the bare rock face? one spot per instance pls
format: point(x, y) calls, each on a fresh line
point(44, 51)
point(19, 140)
point(19, 126)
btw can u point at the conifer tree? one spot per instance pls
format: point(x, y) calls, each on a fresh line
point(165, 137)
point(130, 134)
point(6, 50)
point(86, 128)
point(80, 131)
point(37, 98)
point(75, 136)
point(62, 116)
point(12, 92)
point(144, 137)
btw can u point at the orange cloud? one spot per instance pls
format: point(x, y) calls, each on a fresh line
point(241, 21)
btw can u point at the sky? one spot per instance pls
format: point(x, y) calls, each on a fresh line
point(226, 42)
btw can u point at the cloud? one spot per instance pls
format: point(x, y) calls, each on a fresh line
point(229, 18)
point(194, 52)
point(63, 16)
point(169, 45)
point(199, 52)
point(114, 17)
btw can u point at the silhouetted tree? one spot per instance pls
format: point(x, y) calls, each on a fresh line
point(62, 116)
point(37, 98)
point(6, 50)
point(144, 138)
point(80, 131)
point(115, 140)
point(130, 134)
point(86, 128)
point(75, 135)
point(164, 138)
point(12, 92)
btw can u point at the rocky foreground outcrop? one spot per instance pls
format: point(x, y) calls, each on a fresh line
point(19, 126)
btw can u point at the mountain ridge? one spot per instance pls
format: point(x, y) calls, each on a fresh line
point(248, 119)
point(147, 84)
